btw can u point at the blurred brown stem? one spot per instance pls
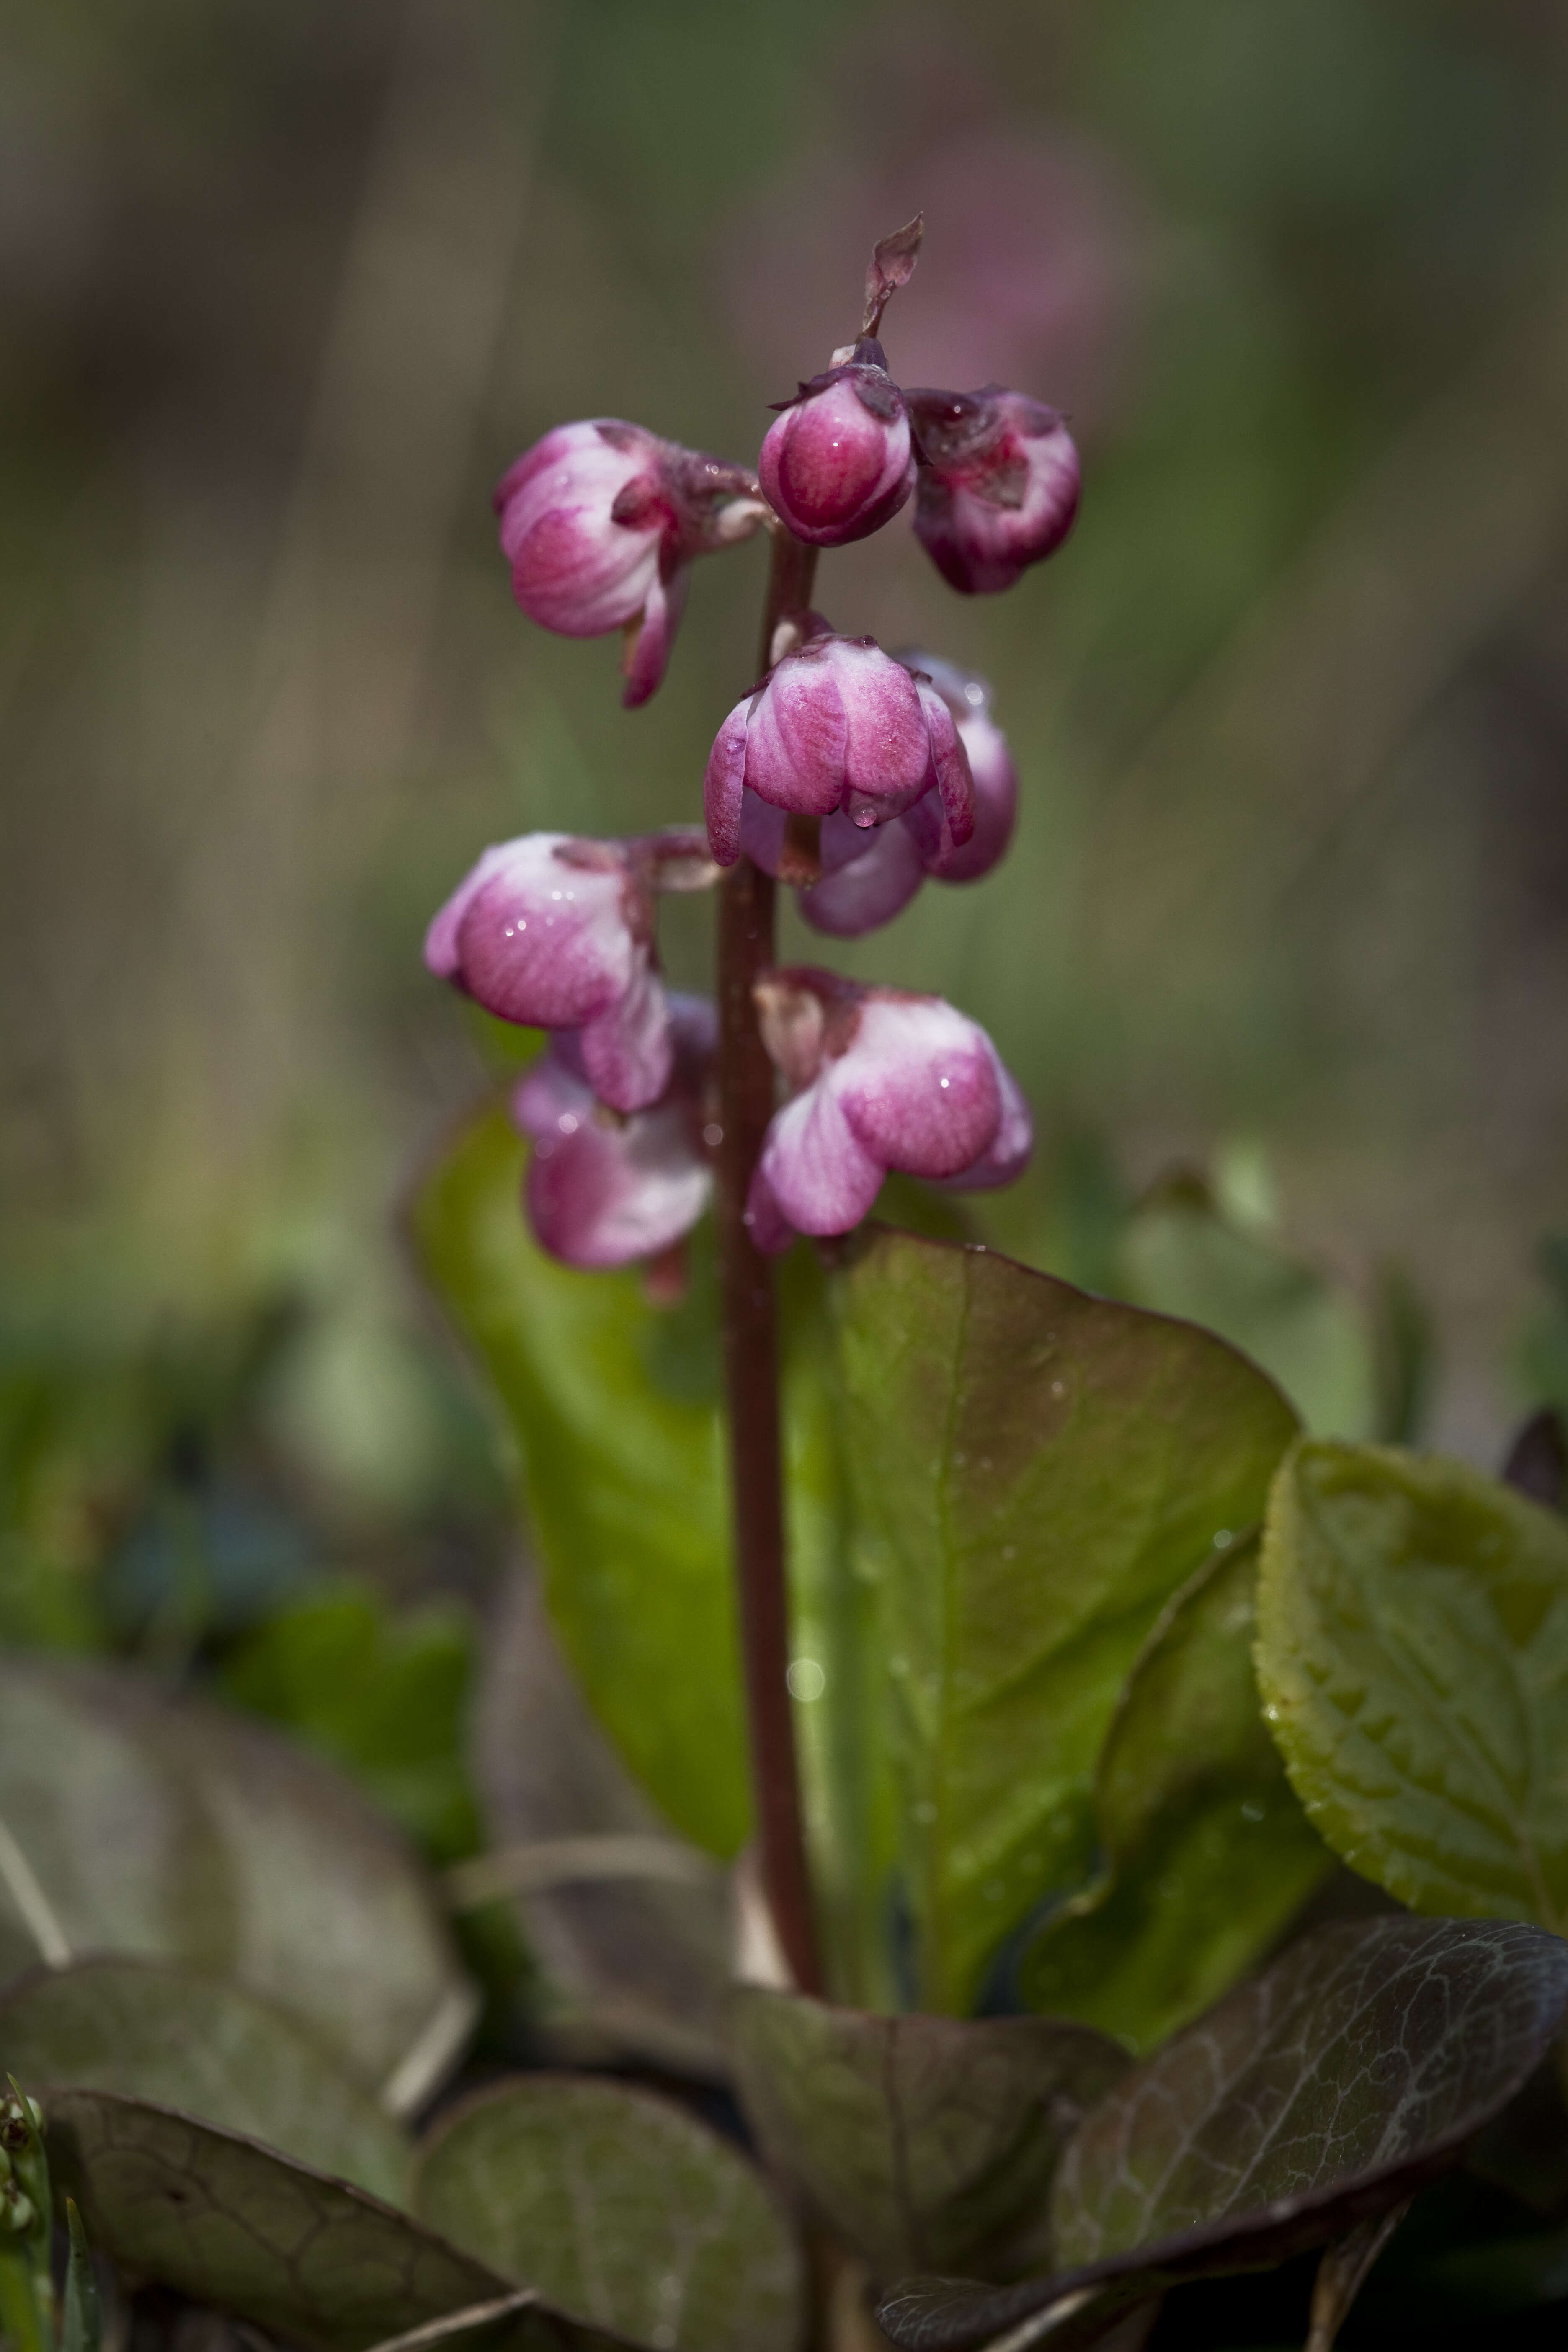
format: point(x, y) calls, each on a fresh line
point(751, 1359)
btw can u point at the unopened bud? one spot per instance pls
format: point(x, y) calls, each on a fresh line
point(840, 462)
point(884, 1080)
point(998, 485)
point(837, 724)
point(599, 523)
point(603, 1191)
point(556, 932)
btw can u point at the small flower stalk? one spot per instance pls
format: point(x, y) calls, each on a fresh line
point(853, 774)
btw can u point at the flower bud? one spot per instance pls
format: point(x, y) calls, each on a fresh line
point(603, 1191)
point(840, 462)
point(599, 521)
point(995, 779)
point(868, 878)
point(557, 933)
point(883, 1080)
point(837, 724)
point(998, 486)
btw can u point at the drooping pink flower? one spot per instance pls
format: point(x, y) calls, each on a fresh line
point(840, 462)
point(836, 725)
point(868, 878)
point(556, 932)
point(603, 1191)
point(600, 522)
point(998, 487)
point(882, 1080)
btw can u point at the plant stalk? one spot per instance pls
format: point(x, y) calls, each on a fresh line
point(752, 1359)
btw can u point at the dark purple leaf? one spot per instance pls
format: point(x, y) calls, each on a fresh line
point(1318, 2097)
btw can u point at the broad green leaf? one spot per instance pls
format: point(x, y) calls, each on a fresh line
point(1036, 1473)
point(619, 2207)
point(611, 1406)
point(922, 2142)
point(1182, 1254)
point(312, 2261)
point(1206, 1853)
point(1413, 1652)
point(1321, 2094)
point(197, 2043)
point(165, 1827)
point(613, 1409)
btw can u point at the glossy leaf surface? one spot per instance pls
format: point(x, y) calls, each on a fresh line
point(1207, 1853)
point(196, 2044)
point(229, 2223)
point(169, 1829)
point(1413, 1651)
point(922, 2142)
point(1319, 2095)
point(620, 2207)
point(612, 1407)
point(1036, 1473)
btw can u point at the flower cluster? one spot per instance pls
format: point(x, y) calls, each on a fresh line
point(850, 772)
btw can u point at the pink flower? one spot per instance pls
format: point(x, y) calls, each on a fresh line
point(557, 933)
point(840, 462)
point(602, 1190)
point(999, 486)
point(599, 523)
point(837, 724)
point(869, 878)
point(883, 1080)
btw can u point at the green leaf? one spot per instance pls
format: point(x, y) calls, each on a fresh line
point(167, 1829)
point(1207, 1855)
point(622, 2209)
point(197, 2043)
point(613, 1409)
point(922, 2142)
point(1319, 2095)
point(229, 2223)
point(383, 1693)
point(611, 1406)
point(1413, 1652)
point(1180, 1255)
point(1036, 1471)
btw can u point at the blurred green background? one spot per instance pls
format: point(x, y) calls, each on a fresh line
point(287, 285)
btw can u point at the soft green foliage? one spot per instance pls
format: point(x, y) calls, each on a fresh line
point(1182, 1254)
point(1206, 1853)
point(170, 1829)
point(1413, 1652)
point(81, 2326)
point(622, 2209)
point(383, 1693)
point(924, 2143)
point(197, 2043)
point(1312, 2098)
point(1036, 1473)
point(612, 1407)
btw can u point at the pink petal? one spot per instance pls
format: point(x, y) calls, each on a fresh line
point(865, 890)
point(646, 655)
point(795, 741)
point(628, 1051)
point(1007, 1154)
point(722, 784)
point(600, 1192)
point(820, 1173)
point(919, 1085)
point(538, 940)
point(888, 754)
point(769, 1228)
point(950, 761)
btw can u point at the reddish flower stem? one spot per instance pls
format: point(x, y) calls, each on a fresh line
point(752, 1359)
